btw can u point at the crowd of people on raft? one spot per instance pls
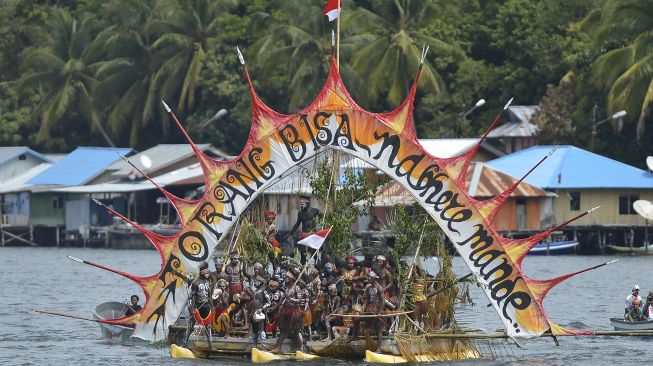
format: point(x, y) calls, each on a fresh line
point(330, 296)
point(636, 309)
point(293, 300)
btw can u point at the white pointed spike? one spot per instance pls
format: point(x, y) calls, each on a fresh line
point(165, 105)
point(593, 209)
point(553, 150)
point(75, 259)
point(240, 56)
point(123, 157)
point(98, 202)
point(333, 38)
point(612, 261)
point(508, 104)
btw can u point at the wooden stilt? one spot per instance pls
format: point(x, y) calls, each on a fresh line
point(57, 235)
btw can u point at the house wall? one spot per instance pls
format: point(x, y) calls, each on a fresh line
point(608, 199)
point(506, 219)
point(47, 209)
point(15, 167)
point(16, 208)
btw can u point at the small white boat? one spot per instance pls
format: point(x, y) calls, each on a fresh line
point(113, 333)
point(621, 324)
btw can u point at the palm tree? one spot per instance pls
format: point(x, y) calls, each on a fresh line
point(183, 30)
point(390, 36)
point(627, 70)
point(65, 72)
point(125, 80)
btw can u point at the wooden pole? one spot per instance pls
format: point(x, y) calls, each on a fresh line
point(338, 36)
point(57, 235)
point(16, 237)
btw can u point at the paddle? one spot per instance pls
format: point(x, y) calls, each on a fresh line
point(47, 312)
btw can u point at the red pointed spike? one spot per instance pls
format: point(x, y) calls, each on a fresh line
point(172, 116)
point(502, 198)
point(136, 279)
point(156, 239)
point(171, 197)
point(548, 232)
point(553, 282)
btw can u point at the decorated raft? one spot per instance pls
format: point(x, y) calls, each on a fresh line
point(279, 143)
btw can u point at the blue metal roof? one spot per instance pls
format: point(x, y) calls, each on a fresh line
point(10, 152)
point(80, 166)
point(571, 167)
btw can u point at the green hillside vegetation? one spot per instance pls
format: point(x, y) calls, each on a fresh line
point(91, 72)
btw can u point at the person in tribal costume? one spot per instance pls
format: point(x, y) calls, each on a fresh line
point(332, 306)
point(221, 302)
point(385, 278)
point(349, 274)
point(374, 305)
point(270, 231)
point(291, 312)
point(313, 292)
point(273, 298)
point(235, 274)
point(307, 218)
point(201, 290)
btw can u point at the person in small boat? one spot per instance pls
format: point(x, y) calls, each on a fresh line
point(133, 307)
point(235, 273)
point(273, 298)
point(647, 310)
point(374, 303)
point(635, 312)
point(631, 298)
point(290, 314)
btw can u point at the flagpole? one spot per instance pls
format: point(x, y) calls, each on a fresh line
point(304, 269)
point(338, 36)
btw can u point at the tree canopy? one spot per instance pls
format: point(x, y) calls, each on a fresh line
point(93, 72)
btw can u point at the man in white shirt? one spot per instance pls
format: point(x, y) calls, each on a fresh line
point(629, 299)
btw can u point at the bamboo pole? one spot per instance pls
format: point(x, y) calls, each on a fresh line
point(338, 35)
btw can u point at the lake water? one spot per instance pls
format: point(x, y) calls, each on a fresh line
point(43, 278)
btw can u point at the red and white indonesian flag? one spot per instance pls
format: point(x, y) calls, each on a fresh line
point(332, 9)
point(315, 240)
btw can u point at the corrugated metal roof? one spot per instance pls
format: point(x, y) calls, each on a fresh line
point(482, 182)
point(449, 148)
point(9, 152)
point(80, 166)
point(522, 113)
point(19, 183)
point(519, 124)
point(485, 182)
point(572, 167)
point(161, 156)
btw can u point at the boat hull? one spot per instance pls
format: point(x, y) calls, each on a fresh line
point(621, 324)
point(114, 333)
point(555, 248)
point(628, 250)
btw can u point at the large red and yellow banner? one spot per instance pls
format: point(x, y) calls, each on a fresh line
point(278, 142)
